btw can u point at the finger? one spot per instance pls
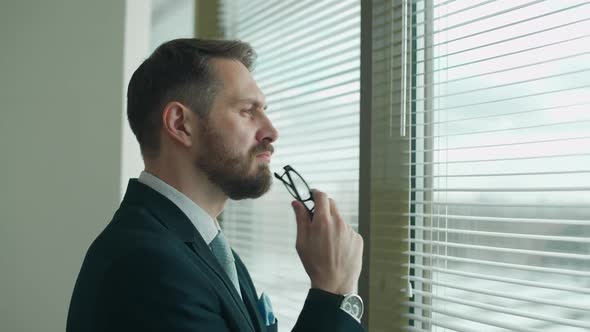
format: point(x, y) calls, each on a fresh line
point(322, 205)
point(301, 216)
point(360, 241)
point(334, 212)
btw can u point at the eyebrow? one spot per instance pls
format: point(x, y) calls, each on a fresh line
point(253, 102)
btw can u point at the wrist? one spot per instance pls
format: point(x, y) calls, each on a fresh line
point(339, 290)
point(350, 303)
point(353, 305)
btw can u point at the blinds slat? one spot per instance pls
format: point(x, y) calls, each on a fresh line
point(504, 55)
point(351, 124)
point(292, 17)
point(585, 86)
point(319, 79)
point(502, 174)
point(571, 239)
point(313, 33)
point(289, 113)
point(576, 290)
point(257, 12)
point(490, 190)
point(309, 161)
point(444, 324)
point(303, 161)
point(483, 3)
point(565, 272)
point(563, 123)
point(509, 159)
point(293, 93)
point(296, 29)
point(580, 257)
point(414, 329)
point(512, 296)
point(479, 19)
point(505, 219)
point(319, 45)
point(509, 205)
point(343, 113)
point(345, 58)
point(509, 311)
point(275, 14)
point(479, 47)
point(479, 33)
point(456, 314)
point(502, 115)
point(498, 71)
point(306, 62)
point(311, 138)
point(504, 144)
point(354, 91)
point(561, 74)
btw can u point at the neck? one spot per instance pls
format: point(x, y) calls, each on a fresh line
point(192, 183)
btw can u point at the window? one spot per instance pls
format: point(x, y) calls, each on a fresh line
point(500, 175)
point(171, 19)
point(308, 68)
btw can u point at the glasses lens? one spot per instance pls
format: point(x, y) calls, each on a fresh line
point(290, 190)
point(310, 205)
point(300, 186)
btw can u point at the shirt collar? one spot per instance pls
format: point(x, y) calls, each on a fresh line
point(207, 226)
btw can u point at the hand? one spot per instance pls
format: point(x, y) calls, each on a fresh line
point(330, 250)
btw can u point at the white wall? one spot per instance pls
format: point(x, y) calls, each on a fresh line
point(137, 47)
point(61, 65)
point(148, 24)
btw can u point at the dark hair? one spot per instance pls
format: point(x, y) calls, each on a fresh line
point(178, 70)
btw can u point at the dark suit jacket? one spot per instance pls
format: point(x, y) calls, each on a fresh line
point(150, 270)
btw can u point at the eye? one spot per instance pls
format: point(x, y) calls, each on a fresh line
point(247, 112)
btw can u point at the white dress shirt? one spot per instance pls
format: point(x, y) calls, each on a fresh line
point(206, 225)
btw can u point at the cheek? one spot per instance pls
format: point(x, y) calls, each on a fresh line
point(242, 139)
point(238, 143)
point(237, 134)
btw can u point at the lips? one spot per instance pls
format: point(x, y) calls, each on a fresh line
point(266, 154)
point(263, 151)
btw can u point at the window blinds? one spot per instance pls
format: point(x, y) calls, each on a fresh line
point(308, 68)
point(500, 169)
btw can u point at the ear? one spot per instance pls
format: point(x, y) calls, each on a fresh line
point(178, 124)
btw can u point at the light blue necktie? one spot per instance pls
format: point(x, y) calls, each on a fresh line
point(222, 251)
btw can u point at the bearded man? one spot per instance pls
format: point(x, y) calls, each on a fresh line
point(163, 263)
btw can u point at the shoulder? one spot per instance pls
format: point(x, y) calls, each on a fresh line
point(133, 229)
point(136, 243)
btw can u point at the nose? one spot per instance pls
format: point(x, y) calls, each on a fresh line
point(267, 131)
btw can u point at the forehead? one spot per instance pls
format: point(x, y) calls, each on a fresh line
point(238, 83)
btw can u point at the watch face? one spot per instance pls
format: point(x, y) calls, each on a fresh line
point(353, 304)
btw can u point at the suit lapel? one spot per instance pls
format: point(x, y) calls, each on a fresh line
point(250, 295)
point(204, 253)
point(178, 223)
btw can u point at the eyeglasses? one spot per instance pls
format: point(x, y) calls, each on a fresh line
point(297, 187)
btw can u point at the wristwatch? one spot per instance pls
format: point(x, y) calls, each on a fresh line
point(353, 305)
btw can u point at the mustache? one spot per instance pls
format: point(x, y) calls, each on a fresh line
point(265, 146)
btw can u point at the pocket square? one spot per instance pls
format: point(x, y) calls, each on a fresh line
point(265, 308)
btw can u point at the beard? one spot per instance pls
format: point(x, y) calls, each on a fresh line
point(231, 171)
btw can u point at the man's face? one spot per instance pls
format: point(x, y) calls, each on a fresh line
point(234, 145)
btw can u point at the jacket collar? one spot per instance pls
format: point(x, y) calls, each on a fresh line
point(139, 194)
point(171, 217)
